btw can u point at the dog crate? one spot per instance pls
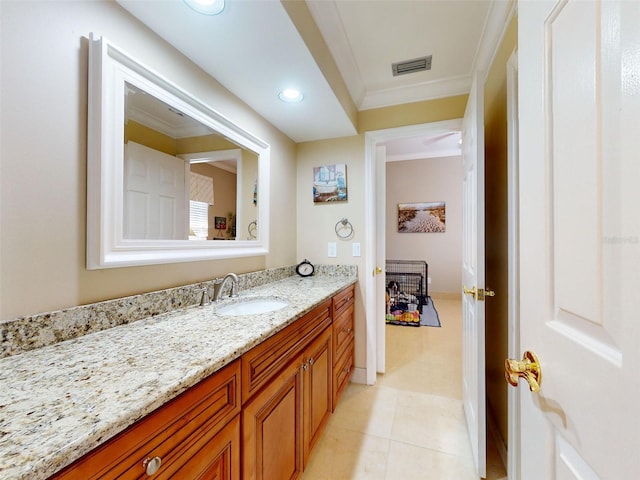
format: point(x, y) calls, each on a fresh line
point(406, 282)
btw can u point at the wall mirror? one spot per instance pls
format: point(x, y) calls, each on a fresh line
point(169, 178)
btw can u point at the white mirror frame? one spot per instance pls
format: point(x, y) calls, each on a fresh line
point(109, 68)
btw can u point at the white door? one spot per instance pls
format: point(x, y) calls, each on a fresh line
point(473, 375)
point(381, 256)
point(155, 195)
point(579, 105)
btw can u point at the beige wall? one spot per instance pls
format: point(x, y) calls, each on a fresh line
point(43, 158)
point(428, 180)
point(447, 108)
point(495, 119)
point(316, 222)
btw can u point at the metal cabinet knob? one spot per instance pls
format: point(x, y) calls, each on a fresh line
point(152, 465)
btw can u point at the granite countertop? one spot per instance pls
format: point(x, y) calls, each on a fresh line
point(61, 401)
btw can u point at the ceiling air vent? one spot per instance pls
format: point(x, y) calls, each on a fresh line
point(411, 66)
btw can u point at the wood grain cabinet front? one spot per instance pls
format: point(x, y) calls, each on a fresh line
point(343, 331)
point(264, 361)
point(343, 306)
point(212, 456)
point(167, 440)
point(342, 372)
point(318, 393)
point(272, 428)
point(284, 420)
point(343, 299)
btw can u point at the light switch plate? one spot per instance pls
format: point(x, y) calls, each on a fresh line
point(332, 249)
point(355, 249)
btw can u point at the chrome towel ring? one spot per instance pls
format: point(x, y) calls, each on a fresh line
point(344, 229)
point(253, 230)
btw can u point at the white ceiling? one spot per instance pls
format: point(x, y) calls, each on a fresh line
point(366, 37)
point(254, 49)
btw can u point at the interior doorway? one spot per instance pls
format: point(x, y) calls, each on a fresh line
point(381, 146)
point(376, 147)
point(423, 227)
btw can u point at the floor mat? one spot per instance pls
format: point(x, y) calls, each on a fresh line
point(429, 317)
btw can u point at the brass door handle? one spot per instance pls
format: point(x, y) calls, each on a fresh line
point(478, 293)
point(377, 271)
point(468, 291)
point(527, 368)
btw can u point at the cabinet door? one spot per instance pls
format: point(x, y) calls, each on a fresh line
point(272, 428)
point(343, 341)
point(317, 380)
point(217, 459)
point(343, 332)
point(342, 372)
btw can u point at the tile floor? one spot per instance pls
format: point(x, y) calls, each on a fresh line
point(411, 424)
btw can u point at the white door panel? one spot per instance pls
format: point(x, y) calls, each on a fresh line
point(473, 352)
point(155, 194)
point(381, 255)
point(579, 236)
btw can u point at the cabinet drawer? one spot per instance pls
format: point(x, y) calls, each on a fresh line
point(343, 334)
point(204, 408)
point(264, 361)
point(211, 456)
point(343, 299)
point(341, 374)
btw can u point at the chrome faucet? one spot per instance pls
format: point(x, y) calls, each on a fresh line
point(218, 284)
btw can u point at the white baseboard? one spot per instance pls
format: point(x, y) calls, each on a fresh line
point(359, 376)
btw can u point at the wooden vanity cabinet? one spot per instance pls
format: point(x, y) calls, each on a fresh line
point(264, 361)
point(317, 380)
point(284, 420)
point(343, 305)
point(195, 434)
point(276, 399)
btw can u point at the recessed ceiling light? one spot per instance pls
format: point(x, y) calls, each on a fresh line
point(206, 7)
point(290, 95)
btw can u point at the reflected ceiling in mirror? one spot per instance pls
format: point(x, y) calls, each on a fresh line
point(166, 173)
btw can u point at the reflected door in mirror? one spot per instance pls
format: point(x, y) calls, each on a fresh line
point(155, 198)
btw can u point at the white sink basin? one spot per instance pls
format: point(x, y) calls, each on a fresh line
point(252, 306)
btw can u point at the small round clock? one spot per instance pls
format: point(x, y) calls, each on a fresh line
point(305, 268)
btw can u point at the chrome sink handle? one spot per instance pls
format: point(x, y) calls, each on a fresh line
point(205, 300)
